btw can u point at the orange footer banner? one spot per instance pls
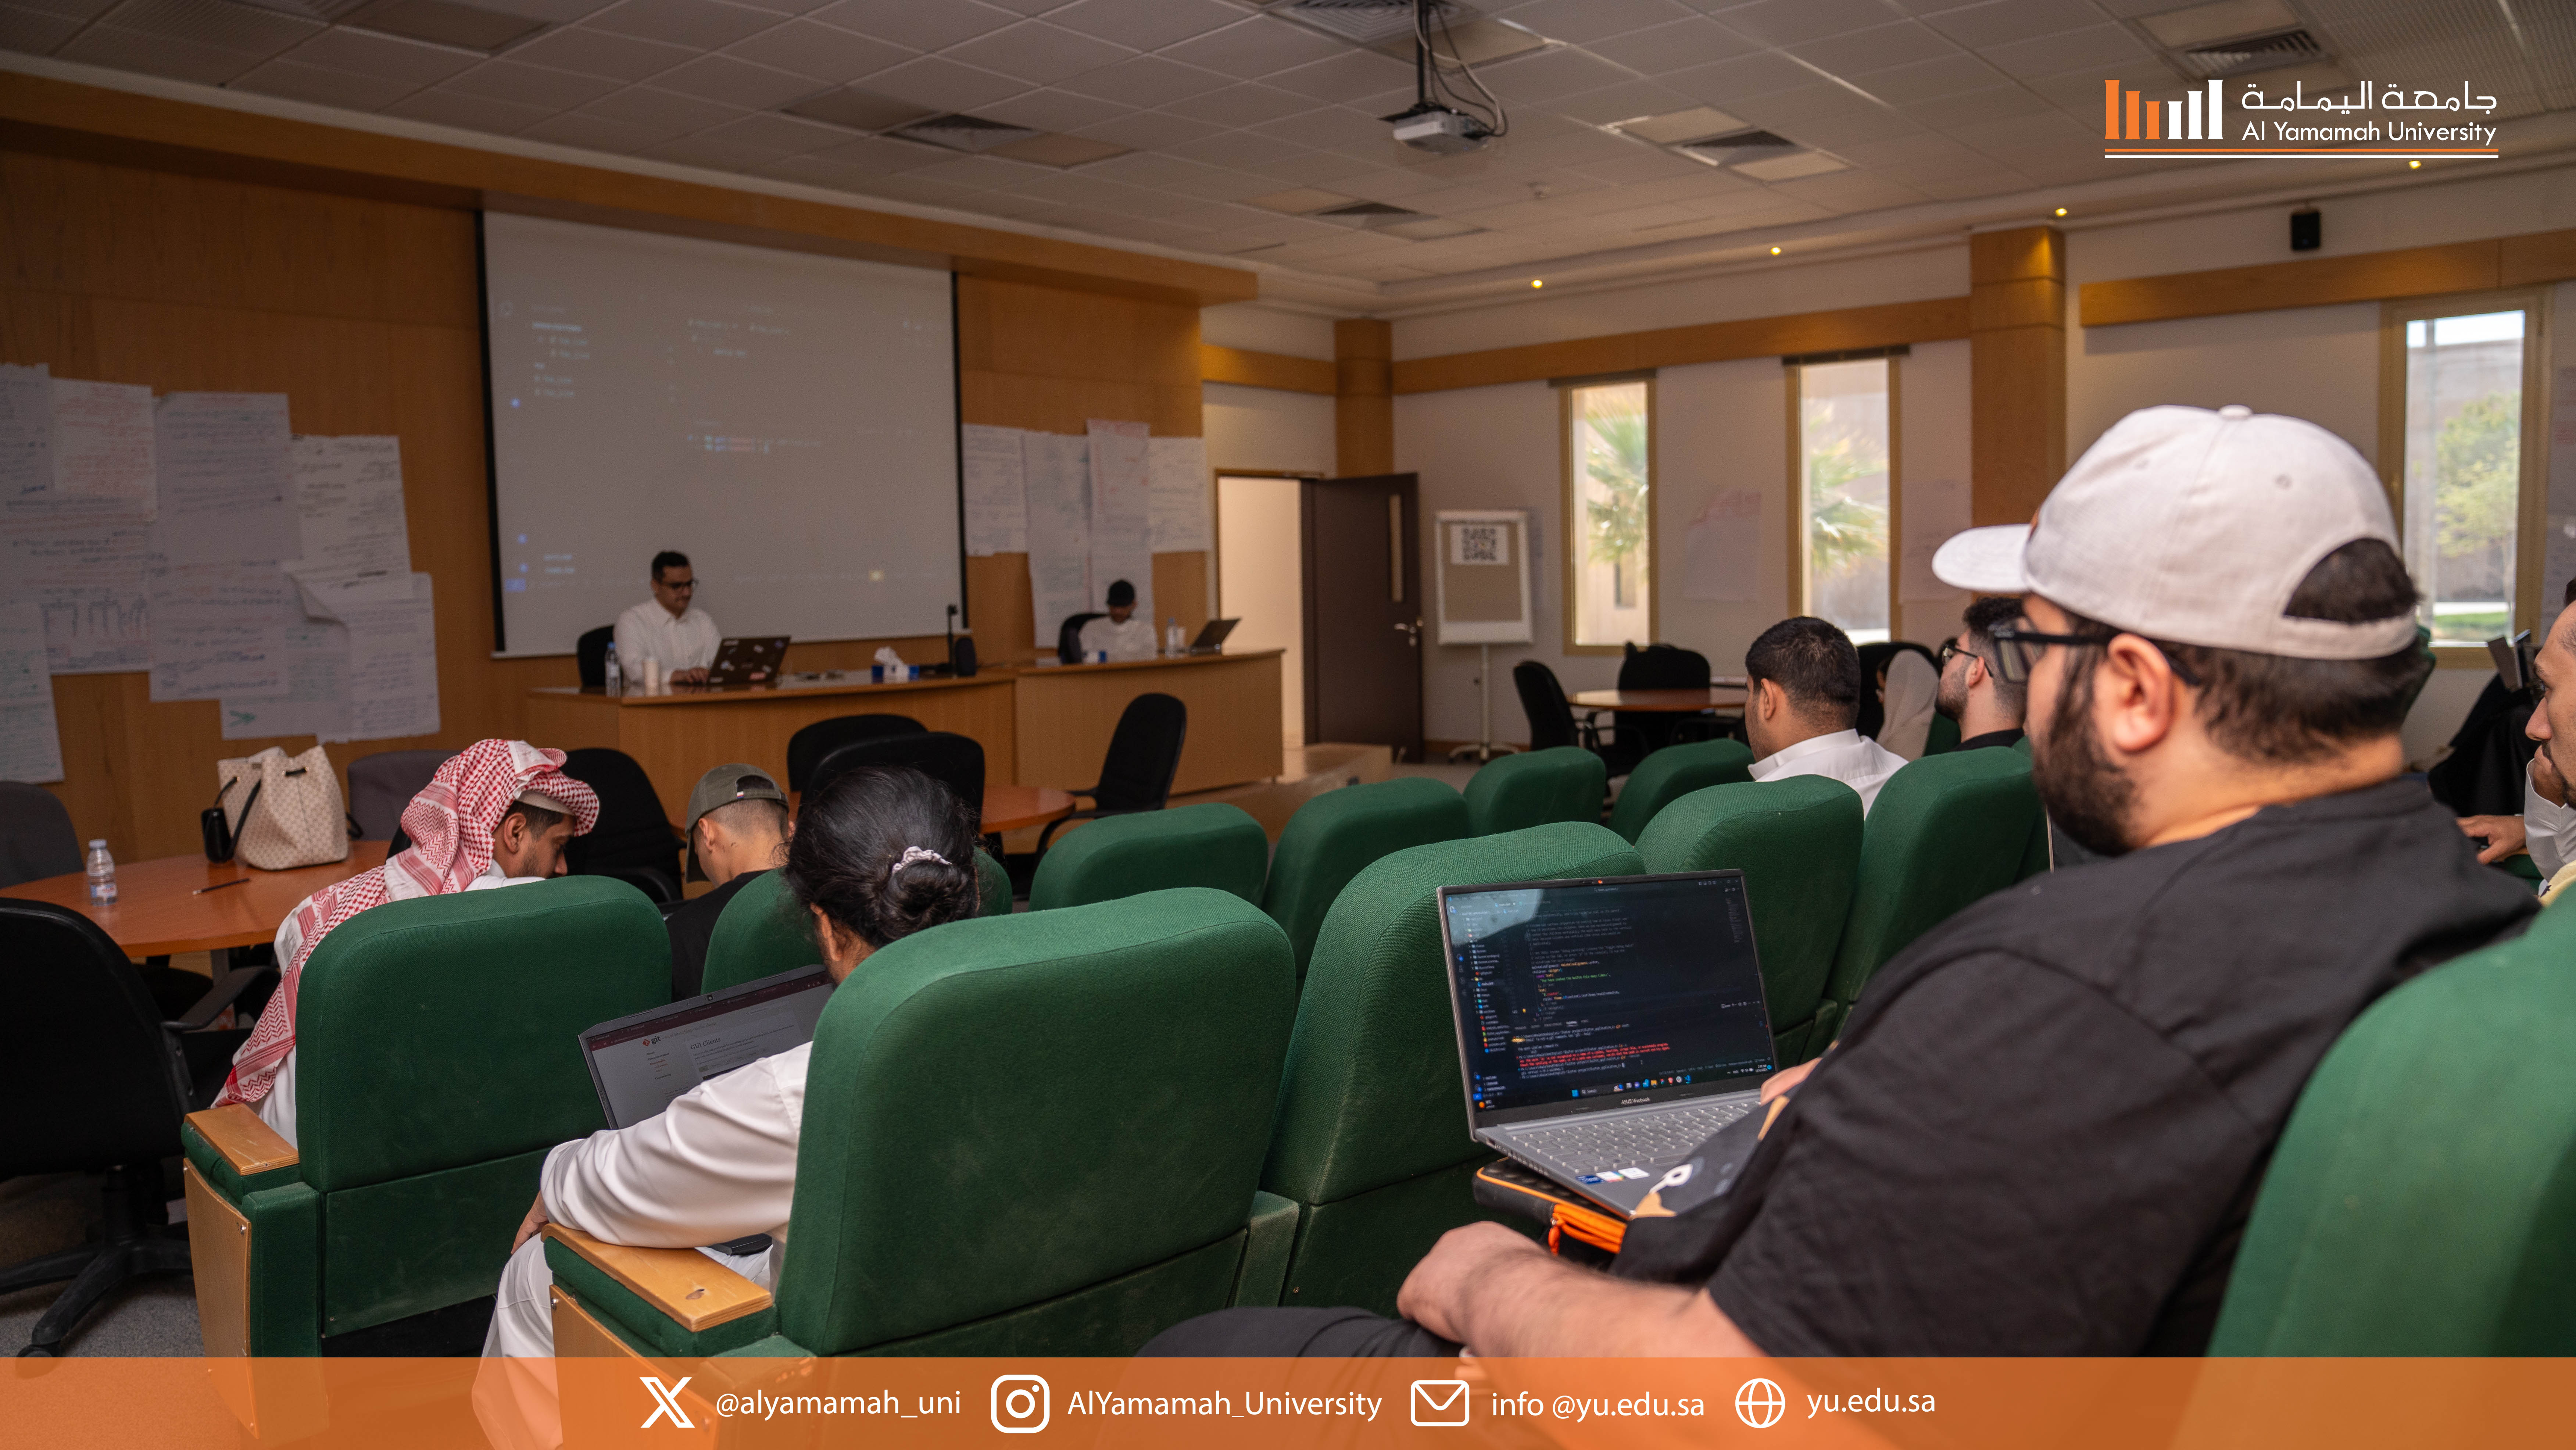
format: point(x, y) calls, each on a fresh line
point(1289, 1404)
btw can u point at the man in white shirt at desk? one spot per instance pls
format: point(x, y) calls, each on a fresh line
point(1802, 679)
point(668, 627)
point(1121, 634)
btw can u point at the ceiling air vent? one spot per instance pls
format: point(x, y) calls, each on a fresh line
point(858, 110)
point(1738, 147)
point(963, 133)
point(1361, 22)
point(1396, 221)
point(2231, 58)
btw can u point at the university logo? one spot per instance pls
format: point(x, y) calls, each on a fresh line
point(2240, 121)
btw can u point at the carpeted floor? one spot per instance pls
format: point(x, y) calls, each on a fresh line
point(44, 1215)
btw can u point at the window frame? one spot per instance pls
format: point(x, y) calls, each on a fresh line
point(1570, 512)
point(1796, 369)
point(2531, 512)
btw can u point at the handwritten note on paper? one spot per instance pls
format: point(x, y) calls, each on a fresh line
point(225, 494)
point(393, 659)
point(31, 748)
point(219, 629)
point(1122, 512)
point(1059, 529)
point(349, 506)
point(83, 566)
point(315, 701)
point(1179, 482)
point(997, 493)
point(1934, 510)
point(103, 444)
point(1722, 549)
point(26, 432)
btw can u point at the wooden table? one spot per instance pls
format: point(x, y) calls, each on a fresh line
point(155, 914)
point(1657, 701)
point(1018, 807)
point(1066, 714)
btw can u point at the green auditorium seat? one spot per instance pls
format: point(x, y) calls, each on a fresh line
point(1535, 788)
point(1208, 845)
point(2423, 1199)
point(1673, 772)
point(763, 932)
point(1371, 1143)
point(1942, 737)
point(1334, 835)
point(435, 1064)
point(1797, 841)
point(1037, 1134)
point(1945, 831)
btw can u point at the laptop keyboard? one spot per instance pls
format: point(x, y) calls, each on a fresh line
point(1631, 1145)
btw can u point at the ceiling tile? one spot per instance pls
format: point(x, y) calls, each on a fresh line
point(298, 82)
point(1053, 110)
point(1145, 24)
point(1242, 104)
point(383, 57)
point(1311, 168)
point(1000, 203)
point(1147, 130)
point(1946, 113)
point(201, 22)
point(67, 9)
point(547, 90)
point(984, 173)
point(665, 113)
point(2000, 22)
point(32, 32)
point(817, 171)
point(939, 82)
point(713, 154)
point(1623, 102)
point(1970, 188)
point(1543, 75)
point(156, 55)
point(783, 134)
point(2100, 45)
point(1586, 21)
point(2079, 91)
point(1143, 168)
point(1218, 218)
point(1786, 22)
point(1919, 148)
point(1647, 164)
point(1327, 126)
point(1876, 48)
point(810, 48)
point(736, 82)
point(926, 193)
point(698, 24)
point(565, 12)
point(1233, 148)
point(474, 113)
point(1037, 52)
point(1850, 192)
point(1835, 132)
point(598, 133)
point(912, 23)
point(1724, 82)
point(1789, 108)
point(1945, 75)
point(881, 156)
point(1347, 76)
point(1677, 46)
point(1222, 184)
point(1251, 49)
point(1146, 80)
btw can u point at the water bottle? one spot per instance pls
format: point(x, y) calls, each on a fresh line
point(102, 875)
point(1174, 642)
point(616, 676)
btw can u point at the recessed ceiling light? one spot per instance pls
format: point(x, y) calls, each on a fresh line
point(1534, 282)
point(1775, 251)
point(2414, 165)
point(2061, 211)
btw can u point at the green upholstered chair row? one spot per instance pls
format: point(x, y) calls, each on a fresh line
point(1333, 837)
point(1671, 773)
point(1214, 845)
point(1534, 788)
point(762, 932)
point(2423, 1199)
point(413, 1167)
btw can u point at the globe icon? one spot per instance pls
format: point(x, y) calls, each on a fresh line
point(1760, 1403)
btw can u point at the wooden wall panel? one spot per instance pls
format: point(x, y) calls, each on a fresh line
point(2017, 371)
point(1246, 368)
point(1937, 319)
point(1364, 398)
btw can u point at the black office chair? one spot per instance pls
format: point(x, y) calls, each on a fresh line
point(807, 747)
point(633, 841)
point(591, 653)
point(1551, 716)
point(1874, 658)
point(382, 784)
point(1640, 733)
point(100, 1090)
point(955, 761)
point(36, 835)
point(1068, 638)
point(1136, 775)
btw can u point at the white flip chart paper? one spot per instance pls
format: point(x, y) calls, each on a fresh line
point(1059, 529)
point(997, 496)
point(219, 629)
point(84, 567)
point(26, 432)
point(225, 497)
point(31, 748)
point(349, 506)
point(315, 701)
point(1178, 471)
point(1121, 513)
point(103, 444)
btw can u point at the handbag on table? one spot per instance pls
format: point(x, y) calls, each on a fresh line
point(277, 811)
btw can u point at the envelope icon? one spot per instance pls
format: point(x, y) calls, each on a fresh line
point(1440, 1404)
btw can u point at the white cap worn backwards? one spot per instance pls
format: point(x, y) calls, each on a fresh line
point(2195, 527)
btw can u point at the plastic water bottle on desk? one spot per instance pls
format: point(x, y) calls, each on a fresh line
point(1174, 641)
point(102, 875)
point(616, 676)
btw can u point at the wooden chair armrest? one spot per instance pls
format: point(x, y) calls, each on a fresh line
point(685, 1286)
point(249, 1145)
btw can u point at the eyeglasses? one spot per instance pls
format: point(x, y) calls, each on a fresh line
point(1950, 650)
point(2018, 648)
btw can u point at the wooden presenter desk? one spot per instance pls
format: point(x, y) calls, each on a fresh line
point(1066, 714)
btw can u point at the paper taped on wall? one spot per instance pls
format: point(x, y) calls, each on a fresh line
point(995, 477)
point(31, 747)
point(1121, 514)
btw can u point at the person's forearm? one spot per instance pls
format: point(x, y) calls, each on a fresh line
point(1536, 1305)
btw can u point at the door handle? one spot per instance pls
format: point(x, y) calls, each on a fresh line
point(1412, 633)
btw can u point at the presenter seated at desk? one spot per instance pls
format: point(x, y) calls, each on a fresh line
point(1121, 634)
point(738, 828)
point(883, 852)
point(1803, 682)
point(668, 627)
point(498, 813)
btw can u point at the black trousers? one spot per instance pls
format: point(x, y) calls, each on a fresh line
point(1298, 1333)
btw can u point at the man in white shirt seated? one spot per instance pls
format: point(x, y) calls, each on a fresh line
point(1121, 635)
point(1802, 680)
point(668, 628)
point(883, 852)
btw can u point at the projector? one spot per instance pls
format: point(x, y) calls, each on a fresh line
point(1439, 130)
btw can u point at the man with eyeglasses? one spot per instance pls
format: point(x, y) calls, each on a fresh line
point(669, 627)
point(2043, 1128)
point(1973, 692)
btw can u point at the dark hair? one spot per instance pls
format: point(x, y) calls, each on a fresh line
point(1121, 593)
point(849, 843)
point(1981, 618)
point(1813, 663)
point(539, 819)
point(776, 811)
point(2283, 711)
point(668, 559)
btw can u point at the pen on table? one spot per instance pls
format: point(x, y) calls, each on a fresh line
point(218, 886)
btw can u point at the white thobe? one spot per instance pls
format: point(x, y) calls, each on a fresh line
point(648, 631)
point(1133, 640)
point(2548, 831)
point(278, 1108)
point(1846, 755)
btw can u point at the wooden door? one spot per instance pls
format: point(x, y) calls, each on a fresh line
point(1364, 613)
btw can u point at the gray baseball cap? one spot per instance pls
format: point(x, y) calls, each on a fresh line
point(723, 786)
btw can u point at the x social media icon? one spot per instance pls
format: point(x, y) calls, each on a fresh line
point(666, 1402)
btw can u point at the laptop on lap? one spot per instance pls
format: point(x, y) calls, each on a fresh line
point(641, 1062)
point(1606, 1026)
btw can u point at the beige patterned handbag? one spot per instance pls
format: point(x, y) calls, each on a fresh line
point(293, 817)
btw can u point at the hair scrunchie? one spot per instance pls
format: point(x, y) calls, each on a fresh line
point(916, 853)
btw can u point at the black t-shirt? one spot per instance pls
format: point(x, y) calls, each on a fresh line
point(2005, 738)
point(2043, 1127)
point(692, 927)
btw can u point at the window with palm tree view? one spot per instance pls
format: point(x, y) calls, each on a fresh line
point(1843, 450)
point(2463, 481)
point(1610, 476)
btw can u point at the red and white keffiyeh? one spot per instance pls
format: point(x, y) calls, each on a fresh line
point(450, 824)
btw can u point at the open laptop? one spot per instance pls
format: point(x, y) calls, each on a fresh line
point(750, 659)
point(640, 1063)
point(1606, 1026)
point(1212, 635)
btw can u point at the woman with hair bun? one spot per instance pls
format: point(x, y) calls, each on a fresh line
point(880, 853)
